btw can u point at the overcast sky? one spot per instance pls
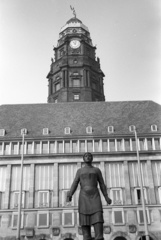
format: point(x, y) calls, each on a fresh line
point(127, 34)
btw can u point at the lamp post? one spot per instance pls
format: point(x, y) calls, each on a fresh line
point(23, 133)
point(141, 186)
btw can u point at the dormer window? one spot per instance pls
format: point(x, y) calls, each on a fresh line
point(110, 129)
point(2, 132)
point(45, 131)
point(67, 130)
point(89, 129)
point(154, 128)
point(23, 131)
point(132, 128)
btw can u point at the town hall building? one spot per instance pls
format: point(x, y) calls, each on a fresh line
point(75, 120)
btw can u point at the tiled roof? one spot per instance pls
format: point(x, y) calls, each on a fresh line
point(78, 116)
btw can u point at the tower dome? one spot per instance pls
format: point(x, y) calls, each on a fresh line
point(74, 23)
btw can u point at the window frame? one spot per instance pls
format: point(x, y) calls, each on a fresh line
point(76, 97)
point(38, 218)
point(2, 132)
point(147, 214)
point(57, 86)
point(22, 220)
point(89, 129)
point(45, 131)
point(113, 216)
point(110, 129)
point(159, 194)
point(112, 197)
point(154, 128)
point(145, 196)
point(48, 197)
point(22, 199)
point(63, 218)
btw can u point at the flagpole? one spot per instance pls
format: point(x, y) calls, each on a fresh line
point(141, 187)
point(23, 133)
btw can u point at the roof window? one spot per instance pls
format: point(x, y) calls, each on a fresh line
point(154, 128)
point(110, 129)
point(89, 129)
point(2, 132)
point(67, 130)
point(23, 131)
point(132, 128)
point(45, 131)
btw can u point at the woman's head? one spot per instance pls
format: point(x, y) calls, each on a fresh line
point(88, 157)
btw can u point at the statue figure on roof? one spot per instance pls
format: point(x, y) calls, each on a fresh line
point(90, 205)
point(74, 12)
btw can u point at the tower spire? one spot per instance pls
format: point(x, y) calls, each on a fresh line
point(74, 12)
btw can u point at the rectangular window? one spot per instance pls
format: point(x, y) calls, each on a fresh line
point(43, 198)
point(76, 82)
point(7, 148)
point(1, 148)
point(137, 192)
point(133, 145)
point(45, 147)
point(52, 147)
point(0, 200)
point(89, 145)
point(42, 219)
point(14, 148)
point(127, 145)
point(68, 219)
point(116, 195)
point(29, 148)
point(118, 216)
point(159, 192)
point(97, 145)
point(15, 220)
point(74, 146)
point(57, 87)
point(150, 146)
point(37, 147)
point(16, 200)
point(60, 147)
point(67, 146)
point(140, 216)
point(157, 143)
point(82, 146)
point(112, 145)
point(104, 145)
point(120, 145)
point(76, 96)
point(142, 144)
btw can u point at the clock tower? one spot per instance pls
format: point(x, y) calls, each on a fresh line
point(75, 73)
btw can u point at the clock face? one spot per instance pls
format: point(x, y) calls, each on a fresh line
point(75, 44)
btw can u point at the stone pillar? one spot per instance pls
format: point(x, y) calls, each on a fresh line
point(8, 186)
point(31, 186)
point(56, 186)
point(127, 184)
point(151, 183)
